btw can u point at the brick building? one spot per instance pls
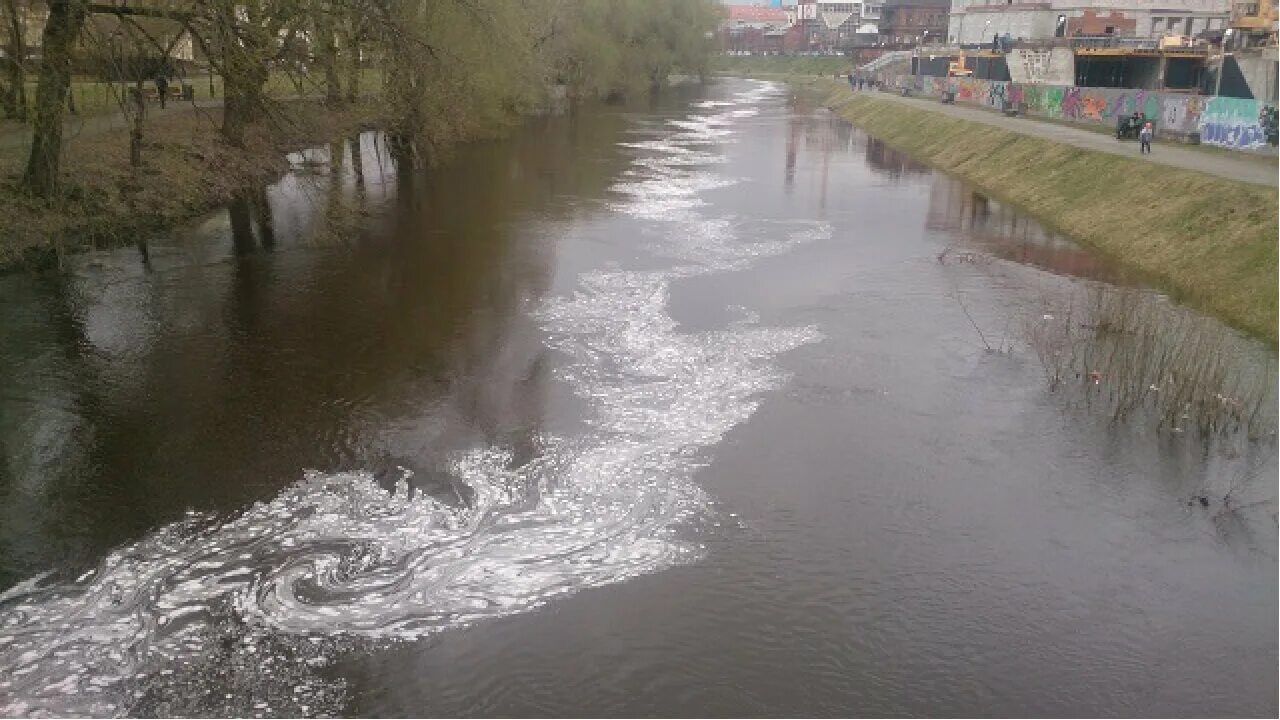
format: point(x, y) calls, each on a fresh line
point(754, 28)
point(906, 23)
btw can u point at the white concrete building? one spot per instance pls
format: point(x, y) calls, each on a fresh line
point(977, 21)
point(837, 20)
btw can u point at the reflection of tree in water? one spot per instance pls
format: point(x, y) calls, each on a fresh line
point(793, 134)
point(822, 135)
point(887, 161)
point(970, 219)
point(398, 347)
point(59, 424)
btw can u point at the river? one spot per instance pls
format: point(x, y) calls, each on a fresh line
point(709, 405)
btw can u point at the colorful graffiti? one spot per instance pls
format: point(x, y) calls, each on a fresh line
point(996, 95)
point(1226, 122)
point(1234, 123)
point(1094, 107)
point(1072, 104)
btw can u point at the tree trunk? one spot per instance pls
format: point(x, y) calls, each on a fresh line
point(66, 18)
point(353, 69)
point(327, 53)
point(135, 130)
point(242, 102)
point(15, 96)
point(404, 93)
point(244, 73)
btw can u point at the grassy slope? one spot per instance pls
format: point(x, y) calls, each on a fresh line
point(1211, 242)
point(781, 65)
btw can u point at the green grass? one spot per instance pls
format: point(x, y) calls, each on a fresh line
point(1099, 129)
point(1210, 241)
point(781, 65)
point(95, 97)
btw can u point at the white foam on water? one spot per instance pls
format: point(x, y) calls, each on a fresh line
point(337, 555)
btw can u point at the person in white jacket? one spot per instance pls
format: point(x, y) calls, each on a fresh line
point(1144, 139)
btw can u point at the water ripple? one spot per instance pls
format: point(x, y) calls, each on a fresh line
point(337, 555)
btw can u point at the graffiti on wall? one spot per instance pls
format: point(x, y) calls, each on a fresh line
point(995, 95)
point(1094, 107)
point(1234, 123)
point(1180, 113)
point(1072, 104)
point(1226, 122)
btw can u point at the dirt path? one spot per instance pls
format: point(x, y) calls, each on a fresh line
point(1248, 168)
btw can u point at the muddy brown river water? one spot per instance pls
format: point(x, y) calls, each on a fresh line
point(710, 405)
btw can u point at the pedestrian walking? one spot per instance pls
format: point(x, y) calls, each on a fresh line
point(162, 88)
point(1144, 138)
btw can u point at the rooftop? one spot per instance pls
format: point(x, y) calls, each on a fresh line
point(755, 13)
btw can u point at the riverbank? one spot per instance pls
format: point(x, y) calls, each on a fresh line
point(1209, 241)
point(779, 65)
point(186, 170)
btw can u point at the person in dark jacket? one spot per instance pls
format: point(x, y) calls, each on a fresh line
point(162, 88)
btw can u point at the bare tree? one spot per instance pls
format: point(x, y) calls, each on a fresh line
point(66, 19)
point(13, 96)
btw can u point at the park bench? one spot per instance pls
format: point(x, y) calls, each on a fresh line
point(174, 92)
point(1127, 128)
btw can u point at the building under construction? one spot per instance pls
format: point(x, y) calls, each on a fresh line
point(1171, 64)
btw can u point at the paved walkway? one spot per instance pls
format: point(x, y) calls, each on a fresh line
point(1259, 169)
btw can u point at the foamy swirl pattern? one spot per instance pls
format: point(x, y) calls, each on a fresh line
point(339, 557)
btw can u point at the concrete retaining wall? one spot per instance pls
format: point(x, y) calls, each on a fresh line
point(1226, 122)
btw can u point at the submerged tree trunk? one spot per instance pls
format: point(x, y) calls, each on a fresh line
point(260, 204)
point(241, 224)
point(357, 160)
point(66, 18)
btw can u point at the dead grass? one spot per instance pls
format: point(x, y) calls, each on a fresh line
point(187, 170)
point(1210, 241)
